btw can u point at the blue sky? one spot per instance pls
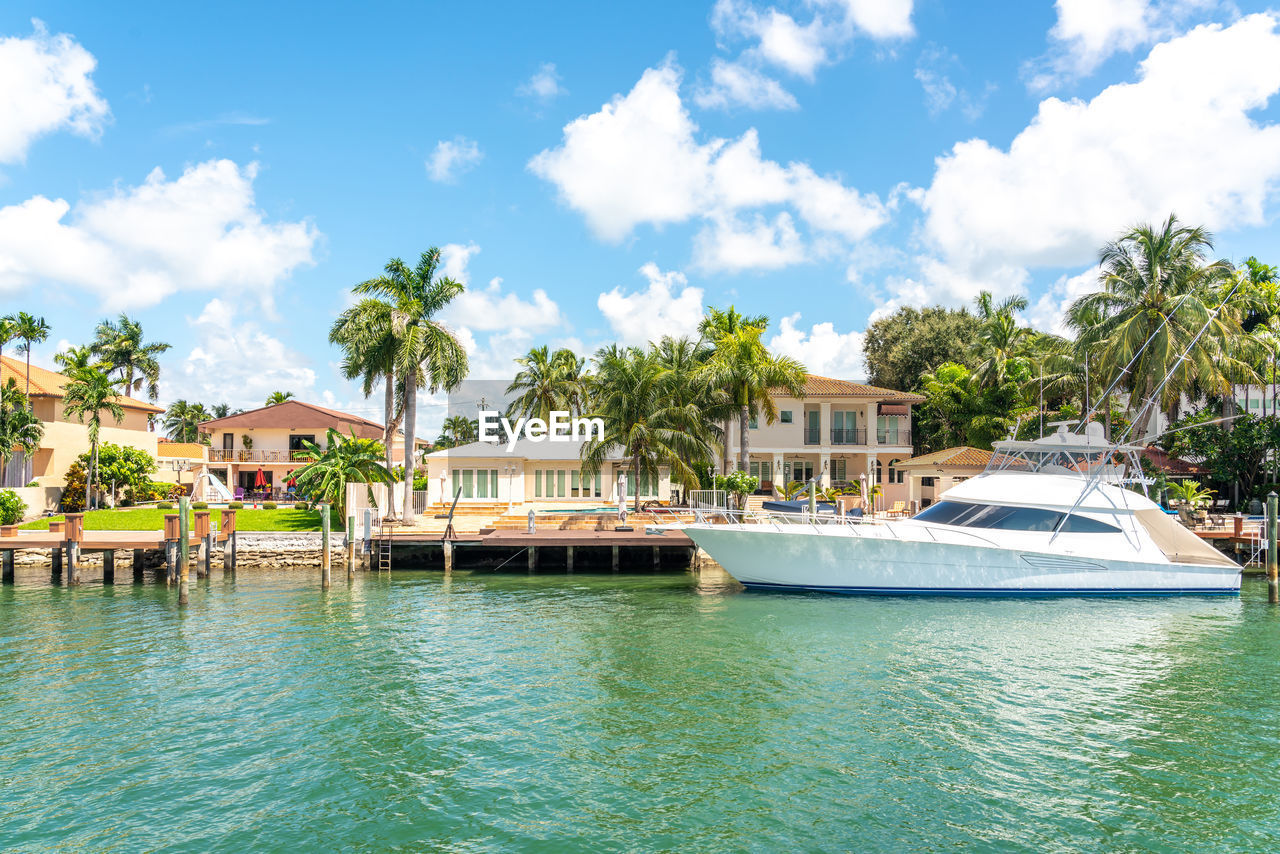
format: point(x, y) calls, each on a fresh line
point(600, 172)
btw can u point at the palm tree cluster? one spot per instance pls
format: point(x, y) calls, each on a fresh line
point(1167, 325)
point(20, 429)
point(120, 346)
point(393, 337)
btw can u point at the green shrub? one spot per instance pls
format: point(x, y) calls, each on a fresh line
point(301, 505)
point(165, 505)
point(12, 507)
point(268, 505)
point(235, 505)
point(199, 505)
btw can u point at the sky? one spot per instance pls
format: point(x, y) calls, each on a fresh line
point(600, 172)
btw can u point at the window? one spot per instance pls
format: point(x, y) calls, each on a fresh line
point(879, 472)
point(559, 483)
point(928, 481)
point(754, 421)
point(762, 469)
point(537, 483)
point(785, 416)
point(838, 470)
point(996, 517)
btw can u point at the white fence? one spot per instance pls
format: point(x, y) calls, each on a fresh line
point(387, 500)
point(708, 499)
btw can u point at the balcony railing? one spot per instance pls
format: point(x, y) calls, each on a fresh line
point(220, 455)
point(893, 437)
point(848, 436)
point(812, 436)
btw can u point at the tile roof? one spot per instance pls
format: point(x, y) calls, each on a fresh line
point(295, 414)
point(1172, 465)
point(47, 383)
point(816, 386)
point(960, 457)
point(182, 450)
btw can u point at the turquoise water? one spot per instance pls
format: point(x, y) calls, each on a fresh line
point(577, 713)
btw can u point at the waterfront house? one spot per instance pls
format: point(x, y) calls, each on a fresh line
point(929, 475)
point(66, 438)
point(271, 439)
point(838, 433)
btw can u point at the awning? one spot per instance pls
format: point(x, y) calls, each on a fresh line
point(895, 409)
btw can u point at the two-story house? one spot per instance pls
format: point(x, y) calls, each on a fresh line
point(839, 432)
point(270, 440)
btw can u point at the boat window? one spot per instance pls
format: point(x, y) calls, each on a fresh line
point(998, 517)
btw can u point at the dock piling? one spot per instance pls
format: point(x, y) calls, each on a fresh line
point(325, 579)
point(6, 566)
point(56, 560)
point(229, 546)
point(170, 548)
point(109, 566)
point(568, 559)
point(203, 543)
point(351, 548)
point(533, 558)
point(139, 563)
point(74, 533)
point(447, 546)
point(615, 558)
point(184, 553)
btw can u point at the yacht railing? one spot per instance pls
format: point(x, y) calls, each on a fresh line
point(828, 522)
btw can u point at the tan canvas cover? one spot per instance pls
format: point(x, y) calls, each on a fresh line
point(1179, 544)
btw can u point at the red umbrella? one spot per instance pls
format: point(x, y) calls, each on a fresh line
point(260, 481)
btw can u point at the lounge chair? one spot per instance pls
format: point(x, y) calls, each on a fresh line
point(899, 508)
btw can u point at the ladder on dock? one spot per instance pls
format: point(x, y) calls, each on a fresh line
point(384, 546)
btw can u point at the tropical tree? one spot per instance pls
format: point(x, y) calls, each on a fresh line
point(367, 336)
point(458, 430)
point(547, 382)
point(641, 423)
point(1000, 337)
point(75, 359)
point(120, 344)
point(86, 396)
point(683, 384)
point(343, 460)
point(1158, 293)
point(425, 349)
point(716, 324)
point(277, 397)
point(182, 420)
point(902, 347)
point(744, 368)
point(20, 429)
point(32, 330)
point(6, 335)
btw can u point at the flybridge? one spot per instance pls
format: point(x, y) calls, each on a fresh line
point(560, 427)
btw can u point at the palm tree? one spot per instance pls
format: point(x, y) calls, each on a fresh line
point(744, 367)
point(120, 344)
point(716, 324)
point(20, 429)
point(7, 329)
point(87, 395)
point(220, 410)
point(32, 330)
point(458, 430)
point(1000, 337)
point(75, 359)
point(367, 337)
point(640, 422)
point(1158, 293)
point(424, 347)
point(547, 382)
point(277, 397)
point(182, 420)
point(683, 383)
point(344, 460)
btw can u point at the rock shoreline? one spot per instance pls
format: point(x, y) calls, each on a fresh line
point(254, 550)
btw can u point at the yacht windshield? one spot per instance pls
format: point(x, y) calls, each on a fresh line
point(1005, 518)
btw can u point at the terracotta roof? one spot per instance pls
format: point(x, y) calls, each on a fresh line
point(47, 383)
point(816, 386)
point(1172, 465)
point(183, 450)
point(293, 415)
point(959, 457)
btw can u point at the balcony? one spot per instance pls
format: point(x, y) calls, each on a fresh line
point(812, 436)
point(220, 455)
point(843, 436)
point(893, 437)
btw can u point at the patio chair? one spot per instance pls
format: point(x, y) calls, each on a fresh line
point(239, 493)
point(899, 508)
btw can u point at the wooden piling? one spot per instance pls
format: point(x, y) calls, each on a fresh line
point(74, 533)
point(139, 562)
point(533, 558)
point(568, 559)
point(202, 533)
point(73, 564)
point(229, 545)
point(447, 547)
point(184, 553)
point(615, 558)
point(170, 548)
point(109, 566)
point(6, 566)
point(325, 580)
point(351, 548)
point(56, 560)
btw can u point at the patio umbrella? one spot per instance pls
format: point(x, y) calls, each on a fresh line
point(260, 481)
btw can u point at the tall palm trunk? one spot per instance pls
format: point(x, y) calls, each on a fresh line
point(725, 453)
point(410, 425)
point(635, 480)
point(389, 411)
point(29, 373)
point(744, 447)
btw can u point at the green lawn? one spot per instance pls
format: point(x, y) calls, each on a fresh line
point(152, 519)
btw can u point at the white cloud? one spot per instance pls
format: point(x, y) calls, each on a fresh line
point(451, 158)
point(454, 258)
point(492, 309)
point(879, 19)
point(134, 246)
point(1049, 312)
point(1088, 32)
point(47, 88)
point(669, 306)
point(234, 361)
point(543, 85)
point(933, 71)
point(735, 85)
point(1181, 138)
point(729, 245)
point(637, 161)
point(822, 350)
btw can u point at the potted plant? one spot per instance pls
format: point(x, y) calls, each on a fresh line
point(1191, 500)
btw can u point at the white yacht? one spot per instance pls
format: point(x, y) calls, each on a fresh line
point(1048, 517)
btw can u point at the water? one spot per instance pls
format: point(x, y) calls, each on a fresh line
point(579, 713)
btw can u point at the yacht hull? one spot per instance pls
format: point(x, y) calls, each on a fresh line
point(810, 559)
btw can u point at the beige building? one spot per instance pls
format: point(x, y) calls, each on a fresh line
point(838, 433)
point(66, 438)
point(270, 439)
